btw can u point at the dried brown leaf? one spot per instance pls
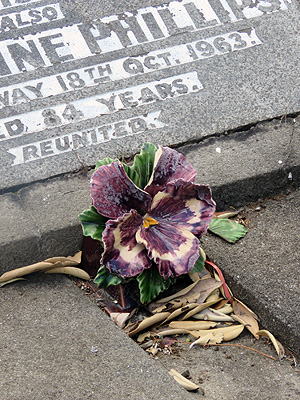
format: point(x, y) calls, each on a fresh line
point(12, 281)
point(229, 332)
point(192, 325)
point(225, 309)
point(209, 314)
point(173, 331)
point(210, 338)
point(29, 269)
point(278, 346)
point(184, 382)
point(181, 310)
point(150, 321)
point(226, 214)
point(182, 292)
point(50, 263)
point(77, 272)
point(206, 287)
point(120, 318)
point(197, 309)
point(246, 316)
point(170, 306)
point(215, 295)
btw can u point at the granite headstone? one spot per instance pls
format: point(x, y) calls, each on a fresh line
point(81, 80)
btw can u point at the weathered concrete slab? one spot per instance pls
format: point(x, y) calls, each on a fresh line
point(246, 166)
point(57, 344)
point(263, 268)
point(235, 373)
point(92, 79)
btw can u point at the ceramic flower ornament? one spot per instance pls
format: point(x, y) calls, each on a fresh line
point(160, 223)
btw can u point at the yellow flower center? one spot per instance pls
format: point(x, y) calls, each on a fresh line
point(147, 221)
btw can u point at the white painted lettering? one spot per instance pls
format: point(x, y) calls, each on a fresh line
point(107, 103)
point(126, 67)
point(75, 140)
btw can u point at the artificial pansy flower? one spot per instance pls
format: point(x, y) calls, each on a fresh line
point(161, 223)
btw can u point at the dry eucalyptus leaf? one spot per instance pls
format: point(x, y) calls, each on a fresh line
point(154, 319)
point(192, 325)
point(173, 331)
point(182, 292)
point(63, 260)
point(194, 276)
point(229, 332)
point(76, 258)
point(77, 272)
point(181, 310)
point(238, 305)
point(220, 304)
point(50, 263)
point(210, 338)
point(29, 269)
point(206, 287)
point(278, 346)
point(11, 281)
point(246, 316)
point(196, 292)
point(226, 214)
point(197, 309)
point(143, 336)
point(225, 309)
point(185, 383)
point(120, 319)
point(170, 306)
point(202, 289)
point(209, 314)
point(215, 295)
point(130, 327)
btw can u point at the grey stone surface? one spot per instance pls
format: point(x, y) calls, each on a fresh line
point(19, 236)
point(54, 207)
point(57, 344)
point(255, 78)
point(243, 167)
point(263, 268)
point(232, 372)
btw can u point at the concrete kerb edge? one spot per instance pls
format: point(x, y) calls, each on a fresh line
point(66, 240)
point(51, 208)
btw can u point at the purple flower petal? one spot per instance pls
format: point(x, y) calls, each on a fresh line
point(114, 194)
point(185, 205)
point(174, 250)
point(168, 165)
point(122, 254)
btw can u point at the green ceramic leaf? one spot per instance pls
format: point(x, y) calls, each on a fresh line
point(227, 229)
point(141, 169)
point(151, 283)
point(93, 223)
point(104, 161)
point(104, 278)
point(199, 264)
